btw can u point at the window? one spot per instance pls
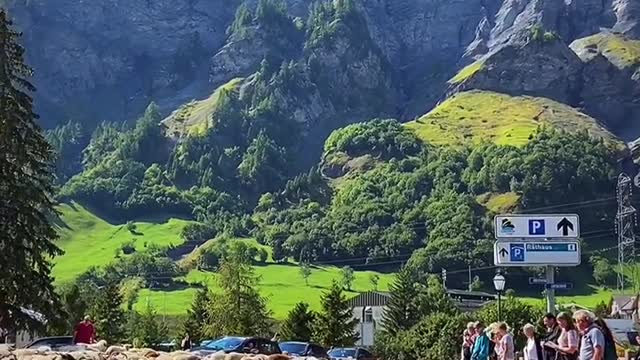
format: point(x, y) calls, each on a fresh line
point(266, 347)
point(364, 354)
point(368, 314)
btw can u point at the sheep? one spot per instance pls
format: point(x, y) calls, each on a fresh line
point(278, 357)
point(87, 355)
point(100, 346)
point(25, 352)
point(113, 349)
point(185, 357)
point(234, 356)
point(216, 356)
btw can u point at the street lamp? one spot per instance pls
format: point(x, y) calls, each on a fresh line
point(499, 282)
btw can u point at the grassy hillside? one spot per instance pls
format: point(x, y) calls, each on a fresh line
point(467, 72)
point(194, 118)
point(89, 240)
point(621, 51)
point(281, 284)
point(474, 116)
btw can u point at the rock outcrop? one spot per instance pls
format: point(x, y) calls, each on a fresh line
point(544, 67)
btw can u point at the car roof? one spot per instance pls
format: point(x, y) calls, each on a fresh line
point(295, 342)
point(55, 337)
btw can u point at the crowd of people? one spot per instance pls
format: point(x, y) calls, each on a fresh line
point(582, 336)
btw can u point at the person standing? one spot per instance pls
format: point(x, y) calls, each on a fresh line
point(468, 336)
point(551, 336)
point(186, 343)
point(567, 347)
point(85, 332)
point(481, 345)
point(504, 347)
point(592, 345)
point(533, 350)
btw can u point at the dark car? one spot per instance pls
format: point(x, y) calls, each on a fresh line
point(350, 353)
point(247, 345)
point(54, 342)
point(297, 348)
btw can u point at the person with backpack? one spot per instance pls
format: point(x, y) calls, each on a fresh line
point(592, 345)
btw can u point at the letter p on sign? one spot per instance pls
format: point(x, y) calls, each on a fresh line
point(536, 227)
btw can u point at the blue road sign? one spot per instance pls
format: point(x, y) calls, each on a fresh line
point(517, 252)
point(559, 286)
point(537, 253)
point(536, 227)
point(536, 281)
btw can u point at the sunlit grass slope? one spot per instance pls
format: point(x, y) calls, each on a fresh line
point(89, 240)
point(473, 116)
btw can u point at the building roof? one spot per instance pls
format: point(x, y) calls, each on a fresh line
point(380, 298)
point(625, 303)
point(371, 298)
point(470, 294)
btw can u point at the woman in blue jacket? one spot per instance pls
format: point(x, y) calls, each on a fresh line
point(481, 347)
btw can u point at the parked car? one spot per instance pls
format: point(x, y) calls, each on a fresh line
point(350, 353)
point(247, 345)
point(297, 348)
point(54, 342)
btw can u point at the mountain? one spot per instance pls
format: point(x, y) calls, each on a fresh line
point(127, 53)
point(386, 130)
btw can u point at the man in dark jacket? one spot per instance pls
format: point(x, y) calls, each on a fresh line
point(552, 335)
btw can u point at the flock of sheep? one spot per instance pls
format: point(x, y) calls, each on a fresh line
point(100, 351)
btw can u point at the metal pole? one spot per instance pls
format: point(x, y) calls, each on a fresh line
point(551, 293)
point(499, 306)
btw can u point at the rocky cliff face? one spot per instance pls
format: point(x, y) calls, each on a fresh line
point(107, 60)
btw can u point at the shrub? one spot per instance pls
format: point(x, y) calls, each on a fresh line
point(129, 247)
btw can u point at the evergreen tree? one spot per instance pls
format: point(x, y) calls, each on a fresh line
point(238, 308)
point(108, 314)
point(433, 298)
point(334, 325)
point(298, 324)
point(401, 309)
point(148, 331)
point(74, 306)
point(196, 316)
point(26, 231)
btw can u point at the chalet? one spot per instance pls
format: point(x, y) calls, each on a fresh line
point(368, 309)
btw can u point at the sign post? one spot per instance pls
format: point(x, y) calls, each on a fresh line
point(547, 240)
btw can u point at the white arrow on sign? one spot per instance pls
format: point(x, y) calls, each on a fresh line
point(552, 226)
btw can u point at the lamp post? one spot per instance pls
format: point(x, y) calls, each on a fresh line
point(499, 282)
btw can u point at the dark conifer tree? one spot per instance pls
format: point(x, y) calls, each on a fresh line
point(26, 208)
point(335, 325)
point(297, 326)
point(401, 309)
point(196, 316)
point(108, 314)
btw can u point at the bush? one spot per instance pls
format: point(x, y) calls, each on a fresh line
point(262, 255)
point(131, 227)
point(129, 247)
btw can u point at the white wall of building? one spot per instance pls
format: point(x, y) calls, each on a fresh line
point(369, 321)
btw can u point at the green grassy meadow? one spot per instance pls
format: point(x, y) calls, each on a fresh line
point(89, 240)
